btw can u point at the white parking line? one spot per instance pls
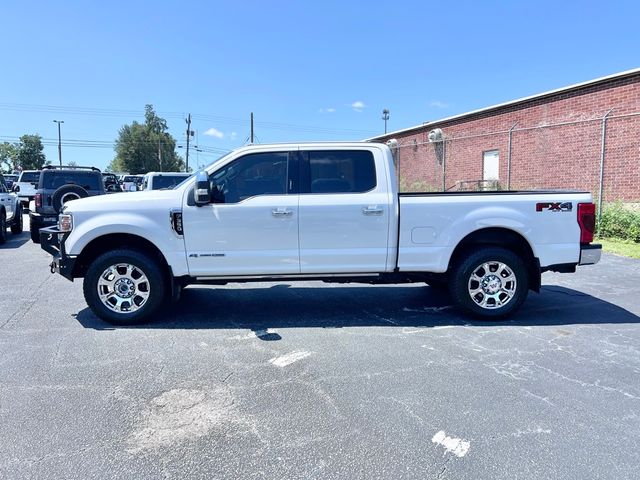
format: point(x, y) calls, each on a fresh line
point(288, 359)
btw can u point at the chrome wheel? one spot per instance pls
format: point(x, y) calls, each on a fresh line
point(492, 285)
point(123, 288)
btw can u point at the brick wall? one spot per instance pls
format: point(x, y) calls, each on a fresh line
point(555, 144)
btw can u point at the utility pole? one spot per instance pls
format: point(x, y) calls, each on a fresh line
point(59, 141)
point(251, 134)
point(385, 117)
point(160, 154)
point(188, 120)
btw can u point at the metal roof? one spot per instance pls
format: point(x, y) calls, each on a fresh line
point(577, 86)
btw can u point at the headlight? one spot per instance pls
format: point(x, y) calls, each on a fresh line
point(65, 222)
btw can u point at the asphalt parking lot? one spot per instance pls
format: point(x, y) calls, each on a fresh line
point(307, 380)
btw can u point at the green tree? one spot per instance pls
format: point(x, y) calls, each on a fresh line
point(8, 157)
point(29, 152)
point(146, 147)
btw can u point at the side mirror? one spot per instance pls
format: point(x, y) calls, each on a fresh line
point(16, 188)
point(202, 194)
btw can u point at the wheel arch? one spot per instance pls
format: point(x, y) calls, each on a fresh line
point(500, 237)
point(114, 241)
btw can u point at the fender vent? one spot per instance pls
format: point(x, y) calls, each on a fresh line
point(176, 222)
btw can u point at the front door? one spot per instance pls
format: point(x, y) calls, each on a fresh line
point(251, 226)
point(344, 212)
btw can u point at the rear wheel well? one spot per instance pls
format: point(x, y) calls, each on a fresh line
point(115, 241)
point(499, 237)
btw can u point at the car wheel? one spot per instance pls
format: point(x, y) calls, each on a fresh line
point(35, 233)
point(3, 228)
point(18, 225)
point(490, 283)
point(124, 287)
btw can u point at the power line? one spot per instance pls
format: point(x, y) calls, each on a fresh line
point(102, 112)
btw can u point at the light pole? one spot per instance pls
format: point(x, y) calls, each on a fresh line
point(59, 141)
point(385, 117)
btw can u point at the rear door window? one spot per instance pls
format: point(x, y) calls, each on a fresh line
point(338, 171)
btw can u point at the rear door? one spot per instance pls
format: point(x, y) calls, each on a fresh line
point(344, 211)
point(251, 226)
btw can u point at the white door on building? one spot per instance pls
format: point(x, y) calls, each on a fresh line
point(491, 165)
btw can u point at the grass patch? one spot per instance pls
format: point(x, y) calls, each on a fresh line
point(626, 248)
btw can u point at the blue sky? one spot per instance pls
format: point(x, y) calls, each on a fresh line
point(308, 70)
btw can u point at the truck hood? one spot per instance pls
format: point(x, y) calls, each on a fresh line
point(126, 201)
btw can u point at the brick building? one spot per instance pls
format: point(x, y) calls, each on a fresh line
point(567, 138)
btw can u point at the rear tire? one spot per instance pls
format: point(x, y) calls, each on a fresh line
point(17, 225)
point(490, 283)
point(124, 287)
point(35, 234)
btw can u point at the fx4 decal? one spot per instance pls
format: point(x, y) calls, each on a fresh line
point(554, 206)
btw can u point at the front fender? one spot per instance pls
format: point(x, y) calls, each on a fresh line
point(155, 228)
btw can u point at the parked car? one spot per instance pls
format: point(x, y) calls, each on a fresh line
point(56, 187)
point(324, 211)
point(26, 186)
point(131, 182)
point(111, 183)
point(161, 180)
point(10, 211)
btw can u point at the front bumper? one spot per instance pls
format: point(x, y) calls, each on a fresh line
point(590, 254)
point(52, 241)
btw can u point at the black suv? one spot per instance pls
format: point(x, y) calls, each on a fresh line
point(58, 185)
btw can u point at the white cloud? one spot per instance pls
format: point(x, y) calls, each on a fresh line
point(358, 106)
point(438, 104)
point(327, 110)
point(214, 132)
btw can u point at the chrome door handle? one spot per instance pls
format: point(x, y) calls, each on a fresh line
point(281, 213)
point(372, 211)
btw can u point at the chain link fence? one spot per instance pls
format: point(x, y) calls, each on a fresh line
point(600, 155)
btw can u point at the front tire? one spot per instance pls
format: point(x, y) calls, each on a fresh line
point(17, 226)
point(124, 287)
point(490, 283)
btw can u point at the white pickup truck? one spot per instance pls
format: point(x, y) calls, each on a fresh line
point(317, 211)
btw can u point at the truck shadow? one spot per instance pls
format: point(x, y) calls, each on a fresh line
point(282, 306)
point(16, 241)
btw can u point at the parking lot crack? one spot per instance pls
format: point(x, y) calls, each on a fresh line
point(595, 384)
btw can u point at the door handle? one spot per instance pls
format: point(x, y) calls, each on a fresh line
point(372, 211)
point(279, 213)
